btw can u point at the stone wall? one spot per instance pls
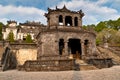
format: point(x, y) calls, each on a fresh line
point(49, 42)
point(24, 51)
point(25, 54)
point(48, 65)
point(1, 49)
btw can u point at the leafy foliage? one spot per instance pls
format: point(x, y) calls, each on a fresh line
point(11, 36)
point(1, 25)
point(107, 31)
point(100, 26)
point(28, 39)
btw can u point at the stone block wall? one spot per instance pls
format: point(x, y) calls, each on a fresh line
point(50, 42)
point(24, 51)
point(23, 55)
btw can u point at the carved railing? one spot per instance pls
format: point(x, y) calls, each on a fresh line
point(49, 65)
point(5, 59)
point(101, 63)
point(100, 60)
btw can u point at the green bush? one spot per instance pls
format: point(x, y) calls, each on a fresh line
point(28, 39)
point(11, 37)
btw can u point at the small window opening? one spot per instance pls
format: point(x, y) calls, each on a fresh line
point(61, 46)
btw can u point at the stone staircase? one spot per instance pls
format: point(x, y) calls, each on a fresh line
point(84, 66)
point(108, 53)
point(115, 49)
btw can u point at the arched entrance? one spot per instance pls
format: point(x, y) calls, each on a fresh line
point(75, 21)
point(74, 46)
point(60, 20)
point(86, 46)
point(68, 21)
point(61, 46)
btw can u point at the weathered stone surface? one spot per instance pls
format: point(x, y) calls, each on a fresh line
point(64, 35)
point(25, 54)
point(50, 42)
point(49, 65)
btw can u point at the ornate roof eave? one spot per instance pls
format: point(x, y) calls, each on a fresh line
point(11, 21)
point(81, 13)
point(64, 9)
point(69, 30)
point(57, 9)
point(30, 24)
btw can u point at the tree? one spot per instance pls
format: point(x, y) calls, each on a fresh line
point(117, 24)
point(89, 27)
point(1, 25)
point(28, 39)
point(116, 38)
point(107, 35)
point(100, 26)
point(11, 36)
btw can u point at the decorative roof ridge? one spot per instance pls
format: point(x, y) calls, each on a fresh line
point(64, 9)
point(69, 30)
point(31, 23)
point(11, 21)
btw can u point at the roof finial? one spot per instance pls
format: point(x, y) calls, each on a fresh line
point(56, 7)
point(49, 9)
point(64, 6)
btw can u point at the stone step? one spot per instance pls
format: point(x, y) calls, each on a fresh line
point(87, 67)
point(78, 61)
point(84, 66)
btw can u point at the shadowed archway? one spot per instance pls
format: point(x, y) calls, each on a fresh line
point(75, 47)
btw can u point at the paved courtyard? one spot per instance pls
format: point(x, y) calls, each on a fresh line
point(102, 74)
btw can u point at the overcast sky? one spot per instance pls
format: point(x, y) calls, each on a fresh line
point(33, 10)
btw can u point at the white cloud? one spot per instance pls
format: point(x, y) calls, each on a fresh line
point(3, 20)
point(101, 2)
point(21, 14)
point(94, 11)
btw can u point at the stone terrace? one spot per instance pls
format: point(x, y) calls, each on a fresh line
point(103, 74)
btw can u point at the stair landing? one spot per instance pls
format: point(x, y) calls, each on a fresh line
point(84, 66)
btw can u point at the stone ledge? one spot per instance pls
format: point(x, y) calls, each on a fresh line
point(48, 65)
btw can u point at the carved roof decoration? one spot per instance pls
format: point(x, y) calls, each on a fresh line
point(64, 9)
point(28, 23)
point(11, 21)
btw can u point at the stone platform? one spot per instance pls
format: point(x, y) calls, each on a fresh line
point(48, 65)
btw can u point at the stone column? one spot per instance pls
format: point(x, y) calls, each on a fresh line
point(57, 47)
point(83, 49)
point(90, 46)
point(66, 48)
point(79, 22)
point(63, 20)
point(73, 22)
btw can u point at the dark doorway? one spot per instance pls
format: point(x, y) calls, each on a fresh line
point(24, 38)
point(61, 46)
point(68, 21)
point(75, 47)
point(76, 21)
point(86, 46)
point(60, 19)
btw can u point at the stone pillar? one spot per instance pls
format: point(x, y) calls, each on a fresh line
point(57, 47)
point(79, 22)
point(73, 21)
point(91, 48)
point(63, 20)
point(66, 48)
point(83, 49)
